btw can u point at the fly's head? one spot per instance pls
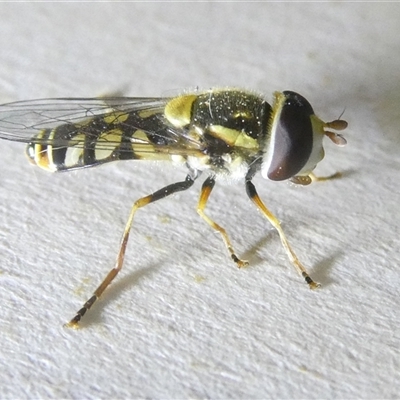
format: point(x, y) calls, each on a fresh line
point(294, 143)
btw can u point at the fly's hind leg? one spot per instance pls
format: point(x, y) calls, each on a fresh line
point(144, 201)
point(204, 195)
point(252, 193)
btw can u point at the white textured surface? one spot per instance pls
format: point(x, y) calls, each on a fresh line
point(181, 321)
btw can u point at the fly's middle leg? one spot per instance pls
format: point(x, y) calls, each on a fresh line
point(204, 195)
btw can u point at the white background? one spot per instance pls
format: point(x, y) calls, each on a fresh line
point(181, 321)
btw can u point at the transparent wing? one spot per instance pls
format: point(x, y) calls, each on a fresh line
point(85, 120)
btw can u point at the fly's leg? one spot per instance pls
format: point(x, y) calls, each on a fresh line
point(315, 178)
point(252, 193)
point(144, 201)
point(204, 195)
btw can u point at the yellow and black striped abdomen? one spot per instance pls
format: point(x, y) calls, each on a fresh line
point(110, 137)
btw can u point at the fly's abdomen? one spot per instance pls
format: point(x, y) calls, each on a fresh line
point(99, 140)
point(66, 148)
point(38, 154)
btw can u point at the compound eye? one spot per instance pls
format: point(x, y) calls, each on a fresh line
point(291, 137)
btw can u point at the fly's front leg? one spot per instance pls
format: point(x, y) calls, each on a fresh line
point(316, 178)
point(252, 193)
point(204, 195)
point(144, 201)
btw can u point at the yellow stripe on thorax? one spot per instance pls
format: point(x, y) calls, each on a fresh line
point(233, 137)
point(178, 110)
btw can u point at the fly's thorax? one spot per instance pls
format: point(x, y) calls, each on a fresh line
point(178, 111)
point(230, 124)
point(232, 110)
point(226, 167)
point(295, 146)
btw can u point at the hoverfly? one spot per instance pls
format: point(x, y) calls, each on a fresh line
point(224, 133)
